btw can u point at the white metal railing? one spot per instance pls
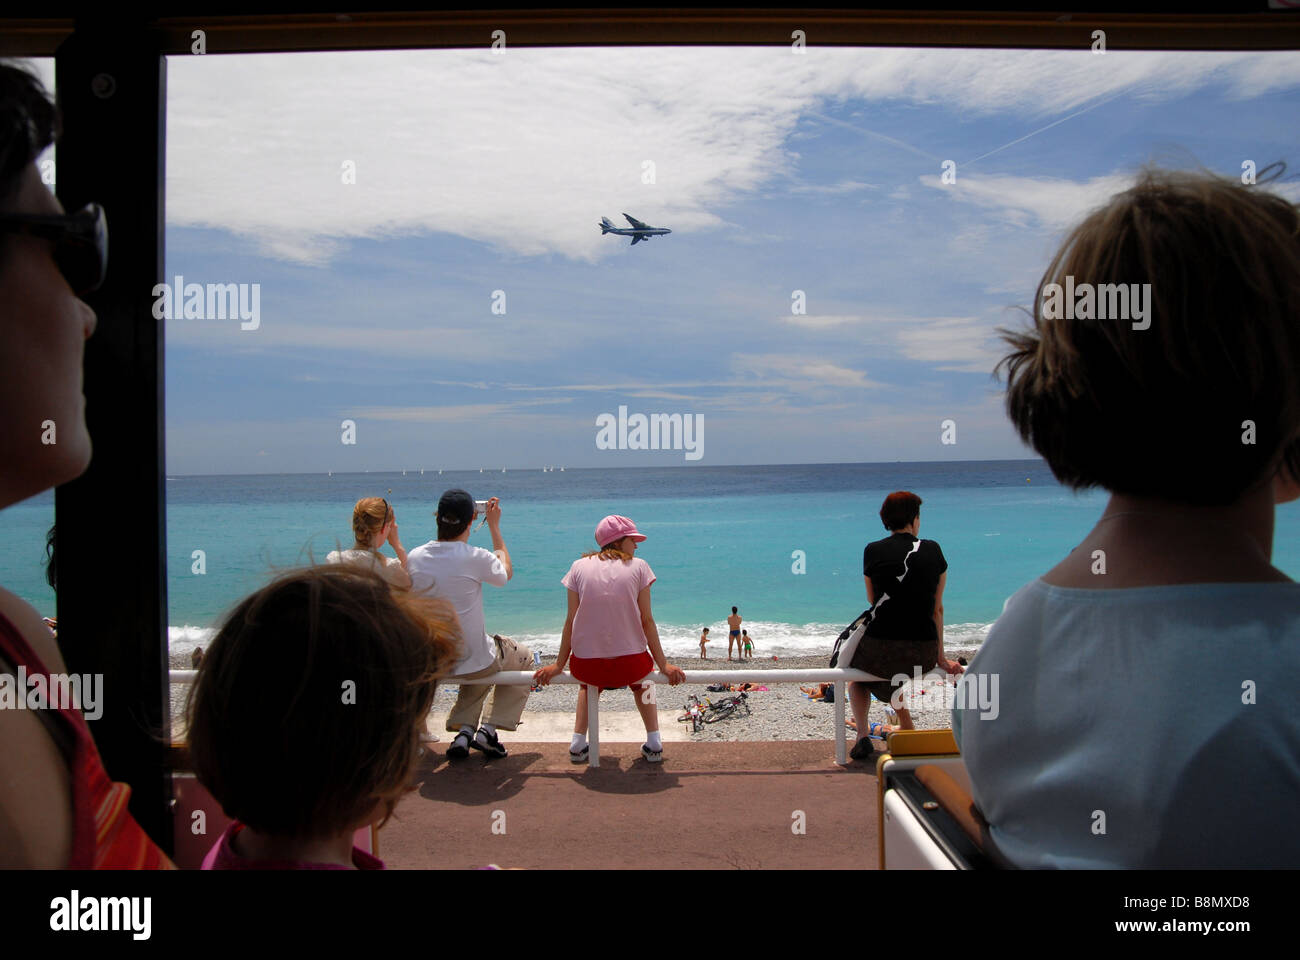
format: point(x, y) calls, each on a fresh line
point(838, 676)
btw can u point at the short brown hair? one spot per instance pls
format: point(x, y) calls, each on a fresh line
point(1162, 411)
point(899, 509)
point(308, 703)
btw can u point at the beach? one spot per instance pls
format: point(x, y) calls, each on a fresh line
point(779, 713)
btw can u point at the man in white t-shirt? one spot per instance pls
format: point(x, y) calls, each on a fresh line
point(451, 568)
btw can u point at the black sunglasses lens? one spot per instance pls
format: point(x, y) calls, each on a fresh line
point(82, 255)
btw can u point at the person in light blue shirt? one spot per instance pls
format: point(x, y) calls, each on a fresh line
point(1135, 706)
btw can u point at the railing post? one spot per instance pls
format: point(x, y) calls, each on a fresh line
point(593, 725)
point(841, 752)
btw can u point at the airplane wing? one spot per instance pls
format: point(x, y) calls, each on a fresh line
point(637, 223)
point(638, 238)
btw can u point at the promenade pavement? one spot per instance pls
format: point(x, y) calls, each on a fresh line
point(755, 805)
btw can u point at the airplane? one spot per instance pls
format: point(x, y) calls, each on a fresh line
point(638, 232)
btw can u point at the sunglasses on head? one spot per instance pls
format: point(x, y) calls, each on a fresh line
point(80, 242)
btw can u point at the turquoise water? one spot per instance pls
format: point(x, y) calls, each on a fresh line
point(718, 536)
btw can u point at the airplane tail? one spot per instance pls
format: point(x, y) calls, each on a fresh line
point(605, 226)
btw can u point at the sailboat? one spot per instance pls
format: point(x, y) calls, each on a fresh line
point(331, 473)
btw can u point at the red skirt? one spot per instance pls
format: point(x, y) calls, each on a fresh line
point(610, 672)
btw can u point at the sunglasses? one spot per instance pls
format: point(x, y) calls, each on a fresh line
point(80, 242)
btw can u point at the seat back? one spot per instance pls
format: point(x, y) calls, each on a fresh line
point(928, 819)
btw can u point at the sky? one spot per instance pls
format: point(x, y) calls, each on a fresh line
point(422, 227)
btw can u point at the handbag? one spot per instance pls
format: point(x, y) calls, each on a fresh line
point(846, 644)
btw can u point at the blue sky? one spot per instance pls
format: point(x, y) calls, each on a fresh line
point(777, 172)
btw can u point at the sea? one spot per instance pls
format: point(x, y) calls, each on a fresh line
point(783, 543)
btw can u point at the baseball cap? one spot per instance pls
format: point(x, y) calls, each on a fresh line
point(614, 528)
point(456, 506)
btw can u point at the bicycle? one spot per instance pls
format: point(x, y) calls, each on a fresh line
point(694, 713)
point(727, 707)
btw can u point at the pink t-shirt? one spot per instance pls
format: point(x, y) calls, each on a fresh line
point(608, 621)
point(222, 856)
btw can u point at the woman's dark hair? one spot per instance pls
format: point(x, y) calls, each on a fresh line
point(1203, 404)
point(51, 570)
point(899, 509)
point(28, 124)
point(307, 706)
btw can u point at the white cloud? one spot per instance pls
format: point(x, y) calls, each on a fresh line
point(956, 344)
point(454, 413)
point(526, 151)
point(959, 344)
point(1029, 201)
point(803, 372)
point(824, 321)
point(844, 186)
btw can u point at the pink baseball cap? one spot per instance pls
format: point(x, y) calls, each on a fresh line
point(615, 528)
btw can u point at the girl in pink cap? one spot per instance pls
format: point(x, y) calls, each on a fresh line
point(608, 630)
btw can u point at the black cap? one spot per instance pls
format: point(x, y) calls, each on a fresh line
point(456, 506)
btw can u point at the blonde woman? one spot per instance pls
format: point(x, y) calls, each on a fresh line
point(373, 524)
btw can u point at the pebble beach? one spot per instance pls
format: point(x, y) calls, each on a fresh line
point(781, 712)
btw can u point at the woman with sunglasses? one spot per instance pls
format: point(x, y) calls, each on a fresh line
point(374, 523)
point(58, 807)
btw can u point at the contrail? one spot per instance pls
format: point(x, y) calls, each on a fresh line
point(1041, 129)
point(872, 133)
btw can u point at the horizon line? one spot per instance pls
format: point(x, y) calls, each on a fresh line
point(538, 468)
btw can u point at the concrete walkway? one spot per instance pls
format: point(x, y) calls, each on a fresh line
point(744, 805)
